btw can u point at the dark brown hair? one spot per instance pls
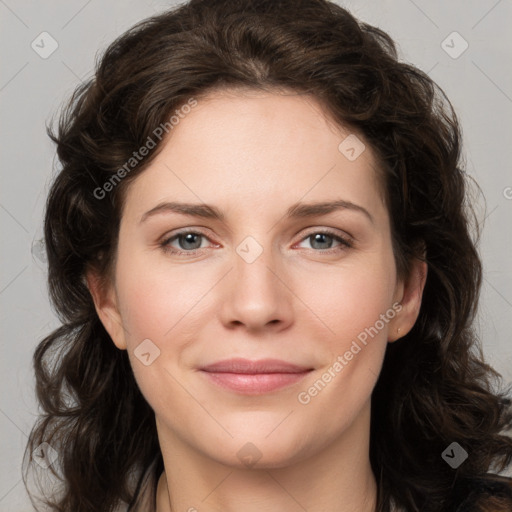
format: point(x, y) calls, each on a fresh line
point(434, 388)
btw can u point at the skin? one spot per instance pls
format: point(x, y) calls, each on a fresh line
point(253, 155)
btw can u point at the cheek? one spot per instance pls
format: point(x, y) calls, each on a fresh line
point(355, 302)
point(155, 306)
point(350, 299)
point(157, 300)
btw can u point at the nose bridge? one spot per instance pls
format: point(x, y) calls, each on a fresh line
point(257, 295)
point(252, 263)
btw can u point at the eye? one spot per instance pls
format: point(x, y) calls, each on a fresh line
point(188, 242)
point(322, 241)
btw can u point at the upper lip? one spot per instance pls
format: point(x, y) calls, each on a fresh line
point(247, 366)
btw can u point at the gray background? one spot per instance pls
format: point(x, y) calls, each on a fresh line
point(478, 82)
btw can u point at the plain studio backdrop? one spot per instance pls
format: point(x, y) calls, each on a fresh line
point(49, 47)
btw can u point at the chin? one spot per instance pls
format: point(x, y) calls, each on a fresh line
point(260, 452)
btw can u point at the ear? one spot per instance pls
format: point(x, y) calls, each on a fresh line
point(409, 295)
point(106, 304)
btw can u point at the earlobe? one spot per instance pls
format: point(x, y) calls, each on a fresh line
point(412, 294)
point(105, 303)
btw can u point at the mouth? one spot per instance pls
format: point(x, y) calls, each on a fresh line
point(254, 377)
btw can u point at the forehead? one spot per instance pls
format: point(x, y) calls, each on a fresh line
point(259, 143)
point(282, 112)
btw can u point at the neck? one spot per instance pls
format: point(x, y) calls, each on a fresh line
point(338, 478)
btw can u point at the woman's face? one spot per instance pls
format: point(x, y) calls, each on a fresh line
point(266, 275)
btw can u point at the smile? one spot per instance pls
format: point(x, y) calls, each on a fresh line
point(254, 377)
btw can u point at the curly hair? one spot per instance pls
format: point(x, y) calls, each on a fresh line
point(434, 388)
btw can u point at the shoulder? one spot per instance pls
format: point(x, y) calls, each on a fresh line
point(472, 494)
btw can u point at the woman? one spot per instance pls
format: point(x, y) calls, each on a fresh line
point(260, 252)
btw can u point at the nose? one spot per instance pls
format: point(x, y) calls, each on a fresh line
point(256, 294)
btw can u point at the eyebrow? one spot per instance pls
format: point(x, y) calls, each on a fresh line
point(298, 210)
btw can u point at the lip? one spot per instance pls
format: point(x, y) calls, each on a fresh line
point(254, 377)
point(246, 366)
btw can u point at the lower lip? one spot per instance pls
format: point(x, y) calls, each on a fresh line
point(255, 384)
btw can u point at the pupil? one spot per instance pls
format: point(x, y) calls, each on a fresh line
point(189, 239)
point(318, 238)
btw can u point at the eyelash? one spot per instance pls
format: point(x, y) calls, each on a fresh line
point(345, 243)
